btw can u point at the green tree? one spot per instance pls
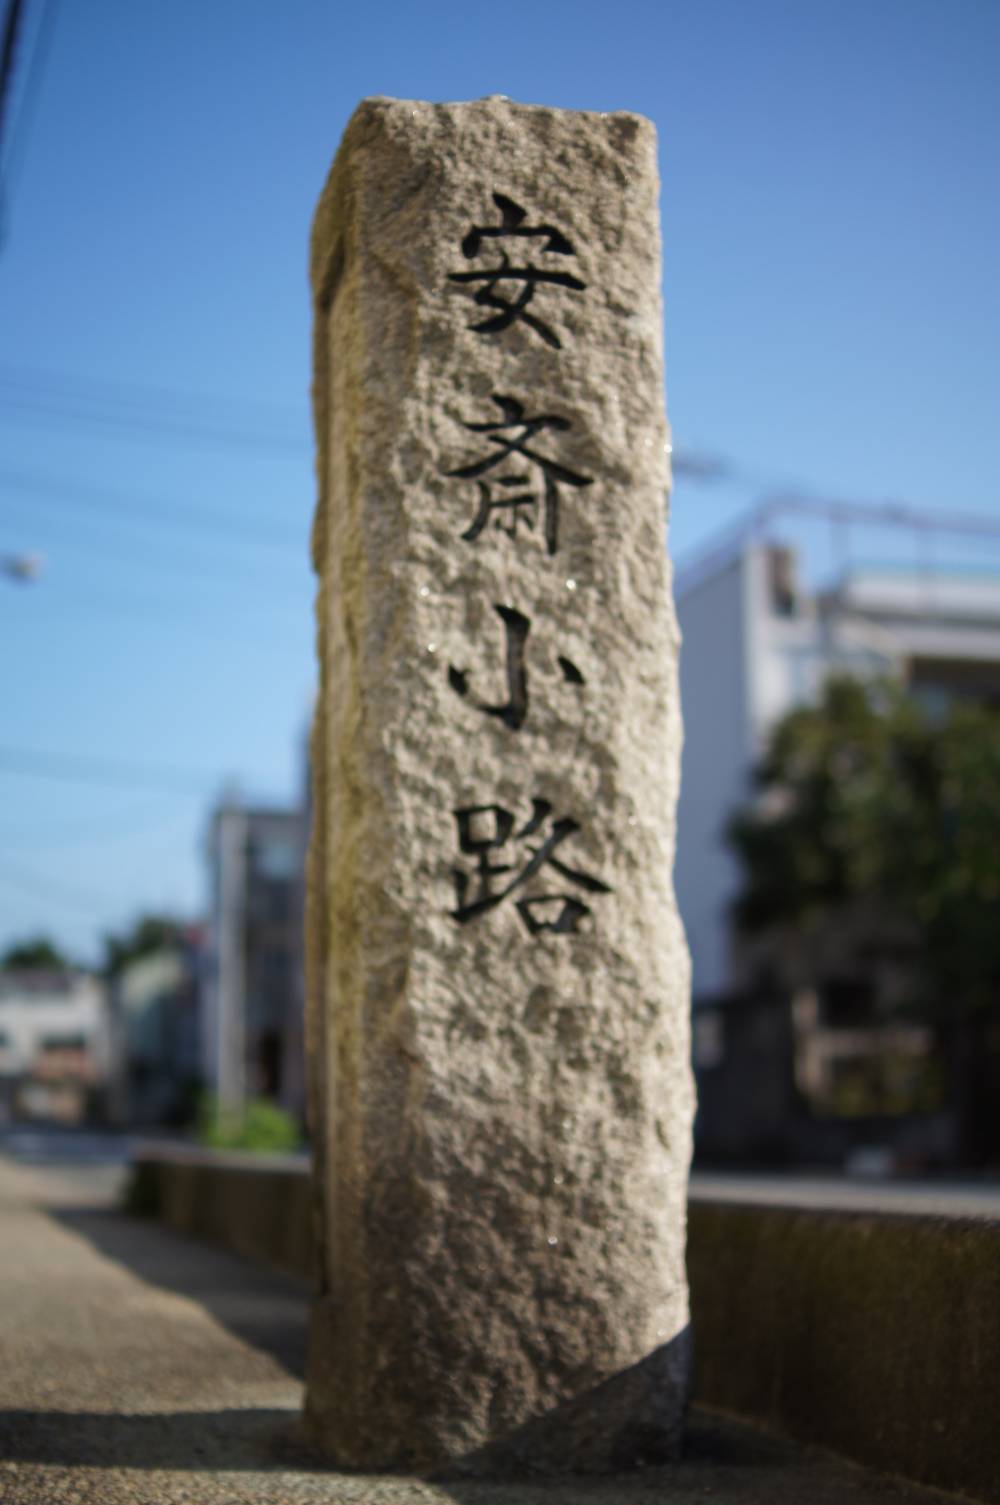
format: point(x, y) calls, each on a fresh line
point(38, 954)
point(875, 833)
point(149, 934)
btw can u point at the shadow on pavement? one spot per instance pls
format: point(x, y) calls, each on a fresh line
point(264, 1439)
point(261, 1307)
point(190, 1440)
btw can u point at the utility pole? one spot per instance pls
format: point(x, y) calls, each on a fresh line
point(12, 25)
point(229, 927)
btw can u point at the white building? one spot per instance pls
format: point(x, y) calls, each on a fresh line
point(757, 642)
point(54, 1044)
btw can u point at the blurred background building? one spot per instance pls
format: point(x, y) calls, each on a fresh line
point(252, 1040)
point(154, 1004)
point(54, 1045)
point(766, 624)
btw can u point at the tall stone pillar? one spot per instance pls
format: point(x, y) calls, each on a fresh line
point(498, 980)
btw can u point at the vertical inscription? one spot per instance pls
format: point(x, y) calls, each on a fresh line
point(524, 484)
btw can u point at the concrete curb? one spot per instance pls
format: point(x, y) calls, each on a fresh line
point(260, 1210)
point(876, 1335)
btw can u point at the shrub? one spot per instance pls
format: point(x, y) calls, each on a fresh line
point(260, 1126)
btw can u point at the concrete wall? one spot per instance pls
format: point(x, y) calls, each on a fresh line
point(260, 1207)
point(876, 1336)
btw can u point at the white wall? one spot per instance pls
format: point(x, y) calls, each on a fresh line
point(714, 763)
point(31, 1013)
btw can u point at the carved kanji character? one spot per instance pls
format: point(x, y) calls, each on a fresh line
point(512, 309)
point(514, 712)
point(512, 435)
point(475, 895)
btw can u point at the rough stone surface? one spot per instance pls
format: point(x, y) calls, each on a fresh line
point(502, 1117)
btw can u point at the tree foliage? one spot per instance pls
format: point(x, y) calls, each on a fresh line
point(878, 823)
point(38, 954)
point(149, 934)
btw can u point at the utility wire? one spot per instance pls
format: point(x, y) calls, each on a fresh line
point(172, 616)
point(43, 841)
point(142, 508)
point(150, 814)
point(153, 410)
point(150, 425)
point(22, 878)
point(48, 383)
point(78, 768)
point(192, 568)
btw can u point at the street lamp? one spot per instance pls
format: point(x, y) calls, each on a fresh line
point(24, 568)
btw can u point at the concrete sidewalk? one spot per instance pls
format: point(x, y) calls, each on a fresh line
point(140, 1366)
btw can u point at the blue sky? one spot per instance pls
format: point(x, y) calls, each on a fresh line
point(831, 221)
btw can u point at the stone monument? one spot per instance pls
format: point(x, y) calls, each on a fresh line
point(498, 979)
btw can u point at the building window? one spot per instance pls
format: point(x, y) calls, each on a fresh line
point(277, 858)
point(708, 1040)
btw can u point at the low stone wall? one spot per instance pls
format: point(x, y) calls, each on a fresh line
point(874, 1334)
point(257, 1206)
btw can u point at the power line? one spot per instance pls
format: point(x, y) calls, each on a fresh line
point(20, 877)
point(135, 394)
point(156, 511)
point(150, 815)
point(754, 523)
point(878, 514)
point(151, 410)
point(146, 607)
point(42, 841)
point(78, 768)
point(172, 617)
point(153, 426)
point(192, 568)
point(51, 492)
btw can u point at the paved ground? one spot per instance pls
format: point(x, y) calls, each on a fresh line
point(140, 1368)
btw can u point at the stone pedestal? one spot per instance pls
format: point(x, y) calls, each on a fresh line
point(498, 981)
